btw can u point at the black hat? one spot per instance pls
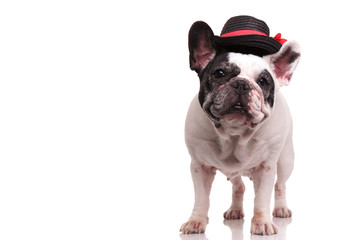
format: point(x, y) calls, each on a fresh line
point(249, 35)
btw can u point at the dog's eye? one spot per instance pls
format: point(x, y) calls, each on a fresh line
point(219, 73)
point(263, 82)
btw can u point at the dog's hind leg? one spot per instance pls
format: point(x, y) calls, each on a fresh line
point(285, 166)
point(236, 209)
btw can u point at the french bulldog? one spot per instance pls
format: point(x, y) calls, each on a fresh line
point(239, 124)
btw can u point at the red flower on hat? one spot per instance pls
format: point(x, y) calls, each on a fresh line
point(279, 39)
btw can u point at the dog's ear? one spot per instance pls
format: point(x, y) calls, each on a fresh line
point(284, 62)
point(201, 46)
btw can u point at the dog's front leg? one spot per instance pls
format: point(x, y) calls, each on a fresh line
point(264, 178)
point(203, 177)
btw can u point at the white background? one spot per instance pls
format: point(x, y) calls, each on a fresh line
point(93, 98)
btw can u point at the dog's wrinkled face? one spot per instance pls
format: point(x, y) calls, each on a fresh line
point(237, 87)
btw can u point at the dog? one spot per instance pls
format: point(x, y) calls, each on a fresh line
point(239, 124)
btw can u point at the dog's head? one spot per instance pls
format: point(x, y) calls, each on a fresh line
point(234, 86)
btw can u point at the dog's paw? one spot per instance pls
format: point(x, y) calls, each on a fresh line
point(263, 226)
point(282, 212)
point(193, 226)
point(232, 214)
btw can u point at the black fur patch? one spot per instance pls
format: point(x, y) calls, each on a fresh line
point(267, 84)
point(208, 80)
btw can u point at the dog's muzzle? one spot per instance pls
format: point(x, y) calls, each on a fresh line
point(231, 97)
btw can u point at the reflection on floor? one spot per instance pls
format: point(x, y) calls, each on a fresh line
point(236, 227)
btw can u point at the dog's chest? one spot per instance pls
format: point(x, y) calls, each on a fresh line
point(238, 157)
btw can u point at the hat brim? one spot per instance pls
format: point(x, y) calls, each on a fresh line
point(249, 44)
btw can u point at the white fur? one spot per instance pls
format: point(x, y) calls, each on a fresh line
point(285, 78)
point(236, 150)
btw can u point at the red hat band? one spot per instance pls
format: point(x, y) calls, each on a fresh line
point(242, 32)
point(253, 32)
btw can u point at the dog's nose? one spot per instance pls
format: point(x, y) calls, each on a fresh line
point(241, 85)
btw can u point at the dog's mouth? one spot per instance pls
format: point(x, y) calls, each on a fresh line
point(245, 109)
point(220, 110)
point(238, 108)
point(217, 111)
